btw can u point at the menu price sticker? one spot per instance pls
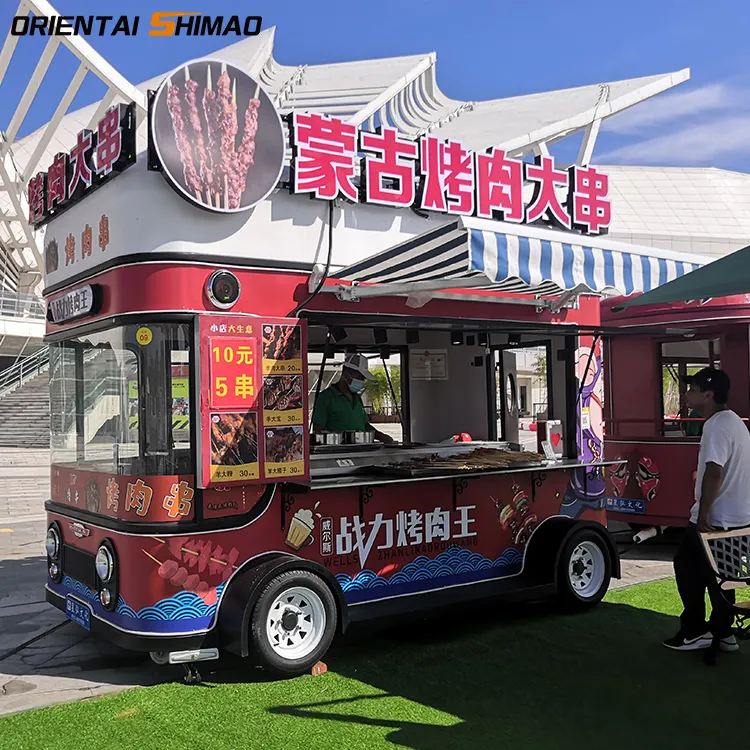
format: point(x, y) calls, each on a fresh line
point(282, 419)
point(283, 399)
point(234, 473)
point(233, 373)
point(282, 349)
point(234, 447)
point(284, 452)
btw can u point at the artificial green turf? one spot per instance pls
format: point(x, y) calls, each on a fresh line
point(479, 678)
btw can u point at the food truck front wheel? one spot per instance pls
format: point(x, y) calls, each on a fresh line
point(293, 623)
point(585, 570)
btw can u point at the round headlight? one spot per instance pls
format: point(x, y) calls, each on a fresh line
point(53, 571)
point(52, 542)
point(105, 597)
point(105, 565)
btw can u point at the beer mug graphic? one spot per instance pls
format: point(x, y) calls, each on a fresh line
point(300, 530)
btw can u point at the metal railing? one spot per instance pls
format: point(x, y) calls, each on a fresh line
point(17, 305)
point(18, 373)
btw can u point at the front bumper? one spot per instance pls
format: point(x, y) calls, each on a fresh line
point(138, 641)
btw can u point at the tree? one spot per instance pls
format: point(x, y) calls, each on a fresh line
point(379, 392)
point(540, 366)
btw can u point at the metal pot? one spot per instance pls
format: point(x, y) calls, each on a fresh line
point(353, 437)
point(327, 438)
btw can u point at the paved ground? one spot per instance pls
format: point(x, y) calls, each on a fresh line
point(44, 658)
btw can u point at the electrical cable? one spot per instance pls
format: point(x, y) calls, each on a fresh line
point(326, 270)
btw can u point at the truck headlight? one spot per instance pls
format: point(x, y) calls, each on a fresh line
point(52, 543)
point(105, 564)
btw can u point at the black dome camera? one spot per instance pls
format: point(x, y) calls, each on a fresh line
point(223, 289)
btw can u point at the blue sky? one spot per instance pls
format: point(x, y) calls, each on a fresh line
point(485, 50)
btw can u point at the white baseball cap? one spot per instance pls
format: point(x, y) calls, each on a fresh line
point(358, 362)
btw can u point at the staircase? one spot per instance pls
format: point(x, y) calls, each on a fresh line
point(24, 403)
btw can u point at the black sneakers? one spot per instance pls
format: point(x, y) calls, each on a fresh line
point(683, 642)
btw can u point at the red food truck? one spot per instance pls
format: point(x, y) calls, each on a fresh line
point(194, 317)
point(648, 431)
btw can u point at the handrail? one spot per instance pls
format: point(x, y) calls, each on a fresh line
point(18, 305)
point(20, 372)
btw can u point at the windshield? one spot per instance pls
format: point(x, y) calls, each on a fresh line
point(120, 401)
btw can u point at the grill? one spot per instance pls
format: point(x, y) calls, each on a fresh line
point(79, 565)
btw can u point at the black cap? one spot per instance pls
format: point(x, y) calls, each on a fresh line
point(709, 379)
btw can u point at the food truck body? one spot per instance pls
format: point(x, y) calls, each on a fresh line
point(648, 430)
point(165, 566)
point(189, 511)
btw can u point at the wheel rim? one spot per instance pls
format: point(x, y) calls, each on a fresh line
point(586, 569)
point(296, 623)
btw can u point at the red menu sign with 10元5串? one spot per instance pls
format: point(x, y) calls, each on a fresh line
point(253, 400)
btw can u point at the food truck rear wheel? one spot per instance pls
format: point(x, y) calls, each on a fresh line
point(293, 623)
point(585, 570)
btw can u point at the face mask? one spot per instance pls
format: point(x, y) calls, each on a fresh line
point(357, 386)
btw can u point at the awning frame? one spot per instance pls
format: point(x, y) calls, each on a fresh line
point(575, 265)
point(418, 294)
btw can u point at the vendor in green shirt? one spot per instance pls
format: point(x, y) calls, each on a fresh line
point(339, 407)
point(693, 429)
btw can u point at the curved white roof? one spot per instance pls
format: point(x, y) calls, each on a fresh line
point(399, 91)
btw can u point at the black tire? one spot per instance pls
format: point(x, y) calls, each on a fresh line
point(579, 594)
point(320, 596)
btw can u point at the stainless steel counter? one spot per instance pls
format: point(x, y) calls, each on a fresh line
point(365, 479)
point(345, 460)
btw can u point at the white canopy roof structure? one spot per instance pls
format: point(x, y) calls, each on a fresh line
point(399, 91)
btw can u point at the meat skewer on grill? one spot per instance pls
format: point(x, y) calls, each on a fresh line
point(246, 153)
point(204, 168)
point(229, 128)
point(213, 127)
point(192, 181)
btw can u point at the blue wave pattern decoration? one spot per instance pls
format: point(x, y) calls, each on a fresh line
point(182, 606)
point(455, 561)
point(80, 588)
point(184, 613)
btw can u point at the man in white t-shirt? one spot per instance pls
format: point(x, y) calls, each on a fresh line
point(722, 501)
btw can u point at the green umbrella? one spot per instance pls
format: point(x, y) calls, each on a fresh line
point(722, 278)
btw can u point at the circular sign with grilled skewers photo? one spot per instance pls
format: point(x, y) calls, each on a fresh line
point(217, 136)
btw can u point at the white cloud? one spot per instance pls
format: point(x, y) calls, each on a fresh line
point(663, 109)
point(696, 145)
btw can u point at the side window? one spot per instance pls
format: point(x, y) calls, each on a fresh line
point(678, 359)
point(180, 398)
point(62, 379)
point(107, 399)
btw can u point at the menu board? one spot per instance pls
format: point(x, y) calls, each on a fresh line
point(253, 400)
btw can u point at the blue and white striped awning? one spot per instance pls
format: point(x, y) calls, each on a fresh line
point(523, 259)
